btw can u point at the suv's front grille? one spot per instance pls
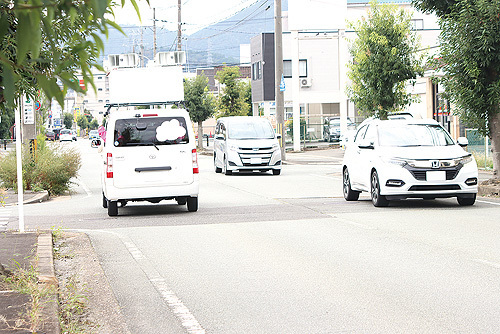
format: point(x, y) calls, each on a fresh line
point(421, 173)
point(434, 187)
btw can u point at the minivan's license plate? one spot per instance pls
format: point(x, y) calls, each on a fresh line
point(255, 161)
point(436, 176)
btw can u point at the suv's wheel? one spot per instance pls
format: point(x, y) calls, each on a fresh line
point(349, 194)
point(192, 204)
point(181, 200)
point(377, 199)
point(104, 201)
point(276, 171)
point(112, 208)
point(466, 201)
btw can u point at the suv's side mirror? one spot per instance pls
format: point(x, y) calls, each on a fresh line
point(462, 141)
point(278, 136)
point(367, 145)
point(219, 137)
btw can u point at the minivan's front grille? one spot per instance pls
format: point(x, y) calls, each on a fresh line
point(258, 156)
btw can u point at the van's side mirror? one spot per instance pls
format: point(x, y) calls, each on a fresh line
point(219, 137)
point(462, 141)
point(278, 136)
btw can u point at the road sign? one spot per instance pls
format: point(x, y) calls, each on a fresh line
point(37, 105)
point(28, 112)
point(282, 84)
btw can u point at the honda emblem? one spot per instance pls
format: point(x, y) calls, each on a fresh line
point(435, 164)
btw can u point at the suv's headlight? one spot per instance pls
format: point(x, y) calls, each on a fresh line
point(396, 161)
point(464, 160)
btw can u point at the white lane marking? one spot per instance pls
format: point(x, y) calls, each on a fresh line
point(85, 188)
point(173, 302)
point(492, 203)
point(488, 263)
point(349, 222)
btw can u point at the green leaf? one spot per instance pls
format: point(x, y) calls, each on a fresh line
point(9, 83)
point(4, 23)
point(134, 3)
point(100, 7)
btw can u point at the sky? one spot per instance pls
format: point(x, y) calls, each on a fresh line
point(196, 14)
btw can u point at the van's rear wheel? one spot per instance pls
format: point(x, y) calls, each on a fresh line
point(112, 208)
point(192, 204)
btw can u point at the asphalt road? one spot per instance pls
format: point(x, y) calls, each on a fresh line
point(287, 254)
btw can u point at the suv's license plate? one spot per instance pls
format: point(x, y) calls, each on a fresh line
point(255, 161)
point(436, 176)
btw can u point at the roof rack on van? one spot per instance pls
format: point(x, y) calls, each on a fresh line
point(179, 104)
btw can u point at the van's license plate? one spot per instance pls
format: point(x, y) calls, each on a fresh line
point(255, 161)
point(436, 176)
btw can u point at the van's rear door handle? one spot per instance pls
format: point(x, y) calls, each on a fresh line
point(152, 169)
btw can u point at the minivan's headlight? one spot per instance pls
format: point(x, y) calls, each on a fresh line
point(275, 147)
point(233, 147)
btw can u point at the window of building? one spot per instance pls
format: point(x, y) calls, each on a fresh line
point(257, 71)
point(417, 24)
point(99, 89)
point(287, 68)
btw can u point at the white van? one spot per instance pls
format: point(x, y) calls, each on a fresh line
point(149, 155)
point(246, 143)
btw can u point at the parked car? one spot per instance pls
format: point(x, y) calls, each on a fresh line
point(149, 157)
point(50, 135)
point(400, 159)
point(65, 135)
point(94, 134)
point(331, 128)
point(246, 143)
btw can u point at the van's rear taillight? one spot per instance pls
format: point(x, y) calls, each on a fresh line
point(196, 170)
point(109, 166)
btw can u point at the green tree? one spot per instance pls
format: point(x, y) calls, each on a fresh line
point(199, 102)
point(384, 60)
point(470, 60)
point(82, 122)
point(68, 120)
point(44, 44)
point(231, 101)
point(94, 124)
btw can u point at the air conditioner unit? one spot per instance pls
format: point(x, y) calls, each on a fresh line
point(305, 82)
point(170, 58)
point(124, 60)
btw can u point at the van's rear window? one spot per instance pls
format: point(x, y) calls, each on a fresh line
point(144, 131)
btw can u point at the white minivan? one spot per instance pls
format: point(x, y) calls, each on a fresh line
point(246, 143)
point(149, 155)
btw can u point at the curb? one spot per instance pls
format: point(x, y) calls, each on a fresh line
point(47, 277)
point(488, 191)
point(39, 197)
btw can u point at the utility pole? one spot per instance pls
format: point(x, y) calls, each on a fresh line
point(278, 75)
point(179, 24)
point(154, 33)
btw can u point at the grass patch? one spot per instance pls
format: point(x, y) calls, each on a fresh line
point(482, 161)
point(51, 168)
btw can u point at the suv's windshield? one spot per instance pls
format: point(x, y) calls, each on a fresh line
point(414, 135)
point(150, 131)
point(251, 130)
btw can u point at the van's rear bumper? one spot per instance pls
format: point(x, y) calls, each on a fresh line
point(113, 193)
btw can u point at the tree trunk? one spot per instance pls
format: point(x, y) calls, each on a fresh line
point(200, 135)
point(494, 125)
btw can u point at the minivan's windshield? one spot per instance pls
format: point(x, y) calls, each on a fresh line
point(154, 131)
point(251, 130)
point(414, 135)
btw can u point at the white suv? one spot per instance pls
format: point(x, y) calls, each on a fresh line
point(399, 159)
point(149, 155)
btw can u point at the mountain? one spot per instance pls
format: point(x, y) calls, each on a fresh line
point(214, 45)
